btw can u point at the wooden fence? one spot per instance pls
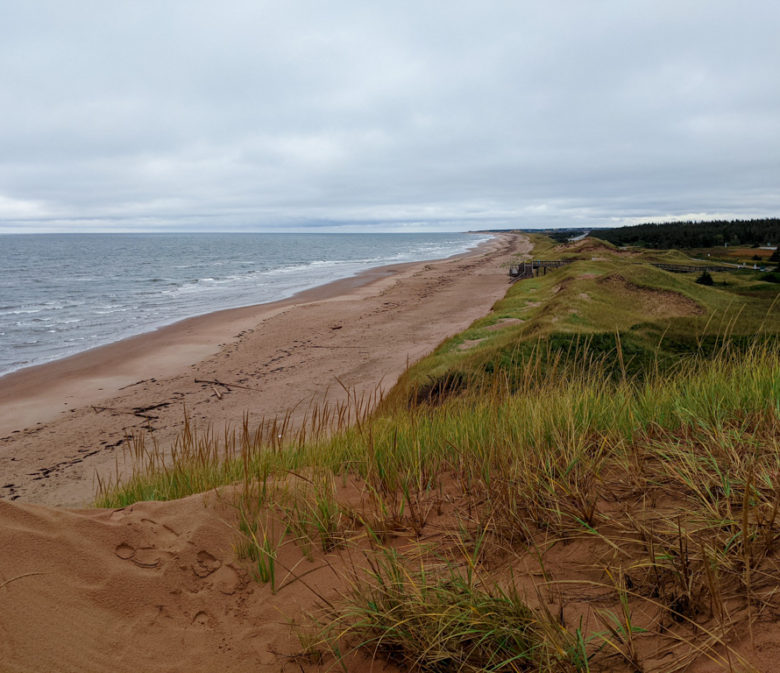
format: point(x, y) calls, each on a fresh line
point(686, 268)
point(526, 269)
point(538, 267)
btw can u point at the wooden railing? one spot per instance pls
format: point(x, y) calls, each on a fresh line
point(689, 268)
point(526, 269)
point(538, 267)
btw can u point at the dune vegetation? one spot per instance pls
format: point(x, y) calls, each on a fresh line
point(584, 480)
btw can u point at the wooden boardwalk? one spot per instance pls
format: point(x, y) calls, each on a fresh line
point(539, 267)
point(526, 269)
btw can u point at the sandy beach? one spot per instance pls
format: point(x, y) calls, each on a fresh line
point(63, 423)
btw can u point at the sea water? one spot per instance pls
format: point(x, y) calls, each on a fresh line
point(65, 293)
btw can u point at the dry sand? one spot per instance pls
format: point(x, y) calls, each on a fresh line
point(155, 587)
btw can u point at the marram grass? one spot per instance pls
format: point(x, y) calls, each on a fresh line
point(561, 416)
point(441, 619)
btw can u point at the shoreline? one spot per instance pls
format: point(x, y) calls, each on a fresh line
point(61, 423)
point(182, 342)
point(358, 277)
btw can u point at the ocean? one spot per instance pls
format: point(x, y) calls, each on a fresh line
point(61, 294)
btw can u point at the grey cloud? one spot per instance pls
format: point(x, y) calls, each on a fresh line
point(132, 116)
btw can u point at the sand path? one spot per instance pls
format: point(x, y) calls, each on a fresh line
point(63, 423)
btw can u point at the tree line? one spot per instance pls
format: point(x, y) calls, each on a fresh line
point(696, 234)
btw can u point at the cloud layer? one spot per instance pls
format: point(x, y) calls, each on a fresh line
point(131, 116)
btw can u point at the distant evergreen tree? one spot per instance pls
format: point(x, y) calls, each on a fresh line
point(705, 279)
point(695, 234)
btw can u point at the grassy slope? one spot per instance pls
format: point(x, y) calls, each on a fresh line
point(556, 514)
point(608, 296)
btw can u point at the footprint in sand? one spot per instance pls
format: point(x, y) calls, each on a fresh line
point(163, 534)
point(147, 557)
point(205, 564)
point(125, 551)
point(227, 580)
point(143, 557)
point(203, 619)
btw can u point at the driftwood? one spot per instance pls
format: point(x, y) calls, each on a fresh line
point(228, 386)
point(140, 412)
point(137, 383)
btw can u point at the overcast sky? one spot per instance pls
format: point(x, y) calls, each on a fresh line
point(232, 115)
